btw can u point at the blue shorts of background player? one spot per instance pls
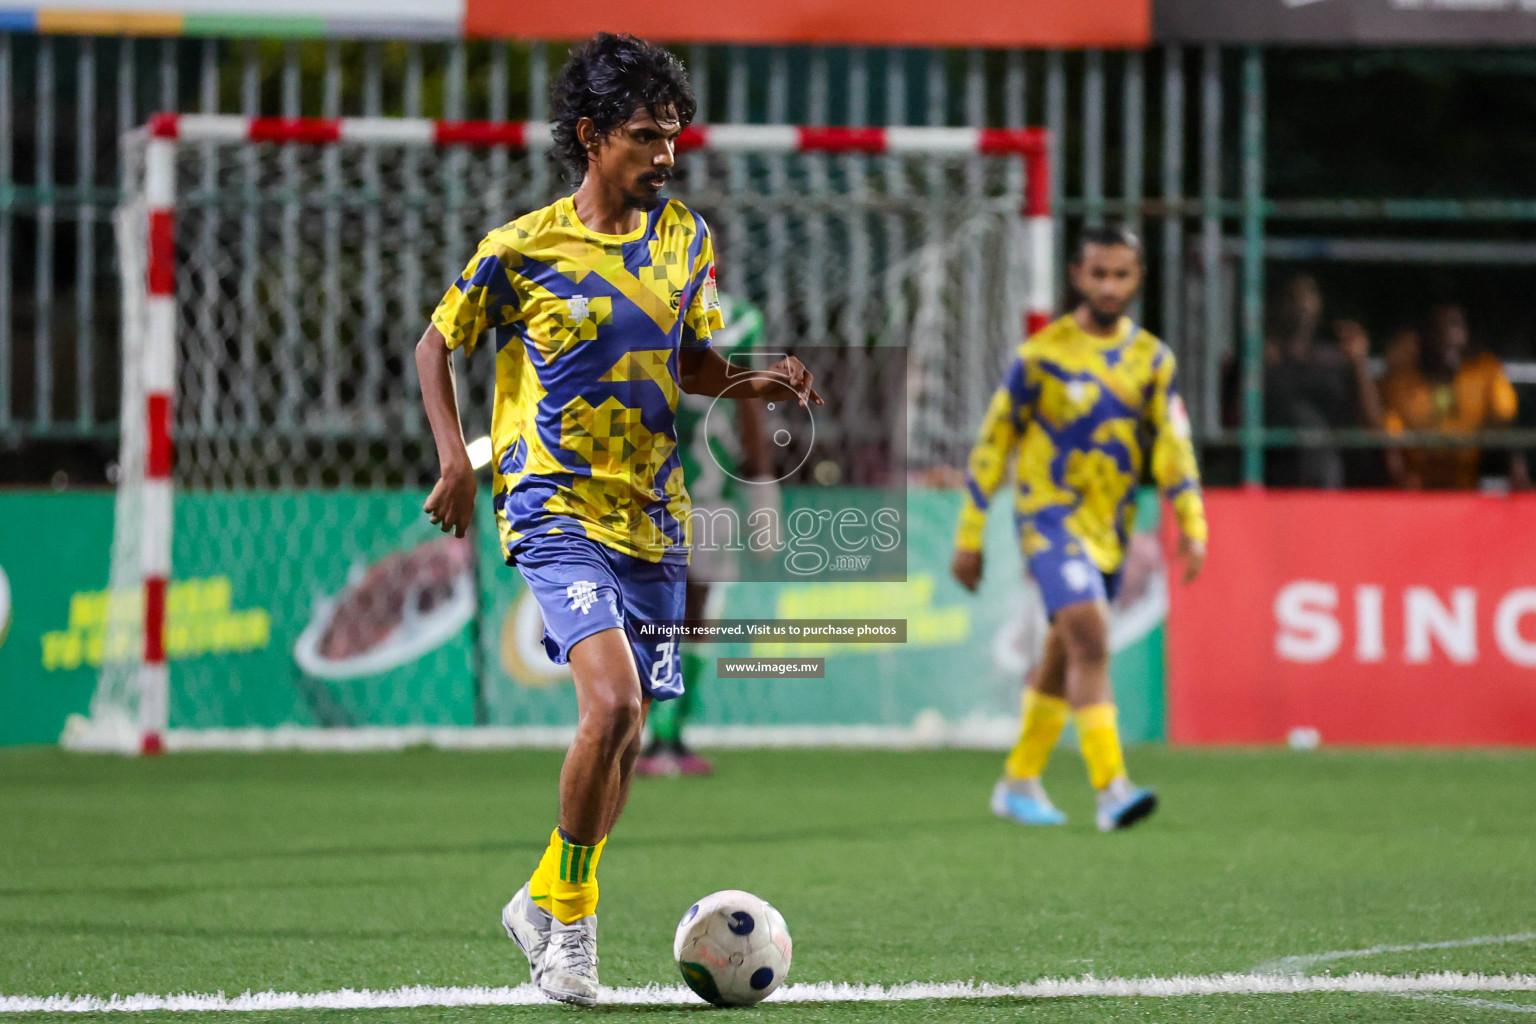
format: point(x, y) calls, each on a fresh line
point(1066, 577)
point(583, 588)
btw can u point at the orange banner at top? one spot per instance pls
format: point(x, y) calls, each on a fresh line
point(989, 23)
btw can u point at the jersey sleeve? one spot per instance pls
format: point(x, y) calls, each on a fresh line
point(1173, 455)
point(703, 317)
point(1007, 415)
point(483, 297)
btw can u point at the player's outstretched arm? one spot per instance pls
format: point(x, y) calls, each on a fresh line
point(452, 502)
point(986, 470)
point(705, 372)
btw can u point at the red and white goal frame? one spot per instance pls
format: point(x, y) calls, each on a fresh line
point(157, 354)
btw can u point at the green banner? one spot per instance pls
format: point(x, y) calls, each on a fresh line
point(958, 677)
point(54, 548)
point(348, 609)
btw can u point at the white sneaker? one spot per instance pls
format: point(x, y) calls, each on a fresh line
point(528, 925)
point(1024, 801)
point(570, 962)
point(1122, 804)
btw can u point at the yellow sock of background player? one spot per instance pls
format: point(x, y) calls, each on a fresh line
point(1099, 733)
point(1044, 718)
point(565, 882)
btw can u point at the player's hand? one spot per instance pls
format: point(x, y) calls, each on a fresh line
point(792, 374)
point(1193, 554)
point(451, 504)
point(966, 567)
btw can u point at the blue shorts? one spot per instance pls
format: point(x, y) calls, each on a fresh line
point(583, 588)
point(1067, 577)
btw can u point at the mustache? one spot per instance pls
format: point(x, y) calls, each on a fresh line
point(665, 174)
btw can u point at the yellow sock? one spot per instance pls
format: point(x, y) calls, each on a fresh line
point(568, 874)
point(1099, 734)
point(548, 870)
point(1044, 718)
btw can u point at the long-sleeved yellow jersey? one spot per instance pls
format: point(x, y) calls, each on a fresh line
point(1072, 416)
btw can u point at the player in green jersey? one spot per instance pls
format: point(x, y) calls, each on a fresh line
point(719, 465)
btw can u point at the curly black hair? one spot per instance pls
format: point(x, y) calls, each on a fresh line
point(1111, 233)
point(608, 78)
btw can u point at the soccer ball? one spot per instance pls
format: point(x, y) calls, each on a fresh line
point(733, 948)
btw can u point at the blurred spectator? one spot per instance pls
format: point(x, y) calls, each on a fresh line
point(1310, 384)
point(1401, 356)
point(1440, 383)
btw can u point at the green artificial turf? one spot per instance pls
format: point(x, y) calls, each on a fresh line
point(313, 872)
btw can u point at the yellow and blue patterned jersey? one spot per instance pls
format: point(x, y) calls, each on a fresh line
point(1071, 418)
point(588, 330)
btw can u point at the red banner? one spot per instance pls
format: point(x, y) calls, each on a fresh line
point(1374, 618)
point(1039, 23)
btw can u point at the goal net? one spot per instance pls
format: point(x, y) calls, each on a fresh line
point(273, 580)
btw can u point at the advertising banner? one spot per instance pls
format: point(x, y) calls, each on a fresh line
point(1347, 22)
point(357, 612)
point(1371, 618)
point(958, 677)
point(1038, 23)
point(53, 547)
point(379, 19)
point(1035, 23)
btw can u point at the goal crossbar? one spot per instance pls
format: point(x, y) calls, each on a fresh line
point(535, 135)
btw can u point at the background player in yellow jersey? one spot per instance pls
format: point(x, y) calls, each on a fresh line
point(602, 305)
point(1077, 402)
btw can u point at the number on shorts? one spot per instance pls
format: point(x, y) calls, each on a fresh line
point(661, 669)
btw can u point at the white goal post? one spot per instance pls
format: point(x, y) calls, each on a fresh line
point(276, 270)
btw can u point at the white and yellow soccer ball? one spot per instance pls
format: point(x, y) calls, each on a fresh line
point(733, 948)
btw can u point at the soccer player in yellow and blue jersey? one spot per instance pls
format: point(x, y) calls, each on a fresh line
point(602, 306)
point(1078, 402)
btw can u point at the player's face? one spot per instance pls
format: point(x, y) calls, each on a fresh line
point(1108, 278)
point(636, 157)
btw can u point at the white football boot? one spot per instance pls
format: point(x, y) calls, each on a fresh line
point(1024, 801)
point(1122, 804)
point(528, 925)
point(570, 962)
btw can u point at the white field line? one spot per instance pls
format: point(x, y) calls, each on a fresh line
point(1299, 965)
point(1296, 966)
point(1476, 1004)
point(824, 992)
